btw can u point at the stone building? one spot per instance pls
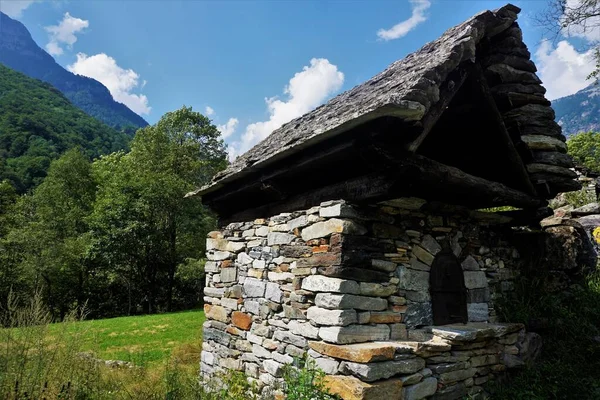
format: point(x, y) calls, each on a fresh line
point(353, 234)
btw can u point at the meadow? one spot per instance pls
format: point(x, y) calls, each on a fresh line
point(142, 340)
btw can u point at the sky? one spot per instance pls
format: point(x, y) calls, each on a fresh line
point(252, 66)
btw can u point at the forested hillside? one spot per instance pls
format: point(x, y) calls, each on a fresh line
point(116, 234)
point(37, 125)
point(19, 52)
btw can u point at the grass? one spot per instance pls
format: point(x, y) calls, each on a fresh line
point(147, 339)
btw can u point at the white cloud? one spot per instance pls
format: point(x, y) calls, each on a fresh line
point(15, 8)
point(563, 69)
point(402, 28)
point(589, 29)
point(228, 128)
point(119, 81)
point(209, 111)
point(64, 33)
point(306, 90)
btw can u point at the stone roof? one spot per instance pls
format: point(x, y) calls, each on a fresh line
point(407, 89)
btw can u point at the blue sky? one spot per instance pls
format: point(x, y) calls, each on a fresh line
point(258, 64)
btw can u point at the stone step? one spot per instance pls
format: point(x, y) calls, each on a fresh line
point(378, 351)
point(473, 331)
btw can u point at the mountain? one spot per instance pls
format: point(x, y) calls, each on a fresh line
point(19, 52)
point(579, 112)
point(38, 123)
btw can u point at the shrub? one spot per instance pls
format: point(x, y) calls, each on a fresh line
point(304, 381)
point(569, 367)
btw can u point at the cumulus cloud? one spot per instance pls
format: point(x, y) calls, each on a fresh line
point(120, 81)
point(228, 128)
point(15, 8)
point(306, 90)
point(209, 111)
point(563, 69)
point(402, 28)
point(64, 33)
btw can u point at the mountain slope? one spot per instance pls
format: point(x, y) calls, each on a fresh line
point(579, 112)
point(19, 52)
point(38, 123)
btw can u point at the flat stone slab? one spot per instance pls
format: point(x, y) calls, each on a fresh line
point(359, 353)
point(474, 331)
point(351, 388)
point(413, 347)
point(382, 370)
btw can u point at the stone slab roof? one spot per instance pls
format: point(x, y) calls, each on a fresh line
point(407, 89)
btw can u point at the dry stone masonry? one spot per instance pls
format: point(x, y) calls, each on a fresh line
point(394, 289)
point(350, 287)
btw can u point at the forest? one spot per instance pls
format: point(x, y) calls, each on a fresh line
point(114, 234)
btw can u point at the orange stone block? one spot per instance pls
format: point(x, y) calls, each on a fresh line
point(351, 388)
point(385, 317)
point(241, 320)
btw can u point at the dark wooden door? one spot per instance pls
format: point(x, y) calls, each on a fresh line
point(448, 291)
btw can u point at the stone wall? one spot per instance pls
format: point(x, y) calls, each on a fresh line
point(323, 280)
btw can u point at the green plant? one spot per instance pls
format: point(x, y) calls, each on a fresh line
point(569, 322)
point(579, 198)
point(304, 381)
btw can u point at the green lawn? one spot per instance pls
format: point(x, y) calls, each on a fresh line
point(147, 339)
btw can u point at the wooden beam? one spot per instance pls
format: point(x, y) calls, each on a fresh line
point(408, 175)
point(447, 91)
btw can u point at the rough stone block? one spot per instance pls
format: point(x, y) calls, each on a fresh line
point(420, 390)
point(273, 292)
point(382, 265)
point(431, 245)
point(214, 292)
point(418, 314)
point(241, 320)
point(385, 317)
point(478, 312)
point(254, 288)
point(360, 353)
point(422, 254)
point(327, 365)
point(318, 283)
point(470, 264)
point(304, 329)
point(278, 238)
point(455, 376)
point(273, 367)
point(281, 276)
point(216, 335)
point(382, 370)
point(228, 275)
point(334, 225)
point(218, 255)
point(351, 388)
point(377, 289)
point(323, 316)
point(475, 279)
point(398, 332)
point(217, 313)
point(288, 337)
point(299, 222)
point(413, 280)
point(348, 301)
point(354, 333)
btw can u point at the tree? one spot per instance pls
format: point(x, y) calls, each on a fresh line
point(575, 18)
point(50, 234)
point(143, 226)
point(584, 147)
